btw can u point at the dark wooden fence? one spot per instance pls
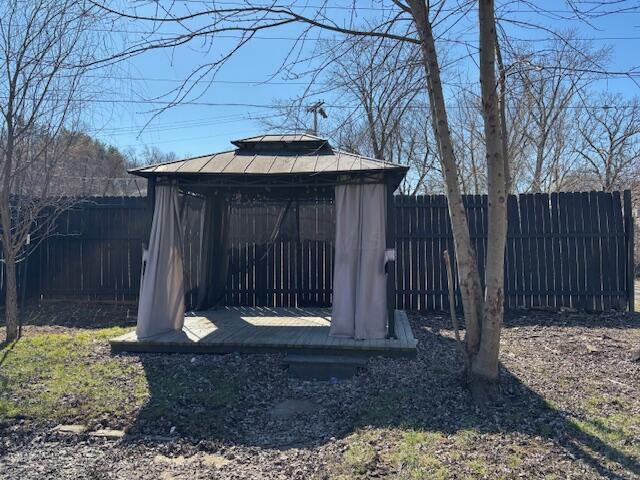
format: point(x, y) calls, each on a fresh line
point(287, 272)
point(96, 251)
point(570, 250)
point(27, 278)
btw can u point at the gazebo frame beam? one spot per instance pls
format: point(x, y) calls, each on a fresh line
point(228, 182)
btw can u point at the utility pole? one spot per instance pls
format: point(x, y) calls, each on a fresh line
point(317, 108)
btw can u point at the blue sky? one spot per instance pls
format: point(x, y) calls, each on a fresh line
point(248, 79)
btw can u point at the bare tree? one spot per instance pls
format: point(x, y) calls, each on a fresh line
point(384, 82)
point(485, 365)
point(410, 143)
point(609, 144)
point(91, 167)
point(152, 154)
point(468, 135)
point(479, 347)
point(417, 148)
point(42, 49)
point(469, 143)
point(550, 83)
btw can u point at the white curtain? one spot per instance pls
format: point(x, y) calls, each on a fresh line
point(161, 303)
point(359, 280)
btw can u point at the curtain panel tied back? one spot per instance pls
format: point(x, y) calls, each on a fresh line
point(161, 303)
point(359, 281)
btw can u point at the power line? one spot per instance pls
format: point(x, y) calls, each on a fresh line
point(280, 106)
point(202, 137)
point(124, 131)
point(300, 7)
point(390, 8)
point(168, 35)
point(223, 82)
point(187, 123)
point(91, 177)
point(292, 82)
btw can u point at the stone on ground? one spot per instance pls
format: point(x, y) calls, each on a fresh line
point(207, 459)
point(72, 429)
point(108, 433)
point(292, 408)
point(214, 460)
point(180, 460)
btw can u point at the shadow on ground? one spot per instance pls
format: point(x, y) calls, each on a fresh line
point(233, 399)
point(611, 319)
point(88, 314)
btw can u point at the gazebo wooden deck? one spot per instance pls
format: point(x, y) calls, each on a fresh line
point(268, 330)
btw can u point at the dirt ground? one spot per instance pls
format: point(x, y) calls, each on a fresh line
point(569, 407)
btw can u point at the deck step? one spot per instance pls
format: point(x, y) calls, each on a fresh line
point(323, 367)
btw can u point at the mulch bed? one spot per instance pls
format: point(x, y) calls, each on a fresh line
point(558, 369)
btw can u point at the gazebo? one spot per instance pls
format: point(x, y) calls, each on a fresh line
point(363, 318)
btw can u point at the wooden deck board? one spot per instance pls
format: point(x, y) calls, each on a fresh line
point(402, 318)
point(401, 331)
point(256, 330)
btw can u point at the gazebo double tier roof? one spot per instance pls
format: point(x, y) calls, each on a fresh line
point(275, 161)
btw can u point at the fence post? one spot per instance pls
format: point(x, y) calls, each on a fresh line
point(629, 227)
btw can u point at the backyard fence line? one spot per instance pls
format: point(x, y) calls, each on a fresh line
point(564, 250)
point(95, 252)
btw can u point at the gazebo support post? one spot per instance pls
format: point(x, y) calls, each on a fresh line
point(151, 192)
point(151, 199)
point(390, 266)
point(299, 299)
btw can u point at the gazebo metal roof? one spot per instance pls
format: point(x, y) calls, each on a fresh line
point(287, 138)
point(273, 155)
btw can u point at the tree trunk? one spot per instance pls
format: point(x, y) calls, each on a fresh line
point(503, 117)
point(11, 280)
point(485, 365)
point(536, 182)
point(468, 273)
point(11, 299)
point(6, 241)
